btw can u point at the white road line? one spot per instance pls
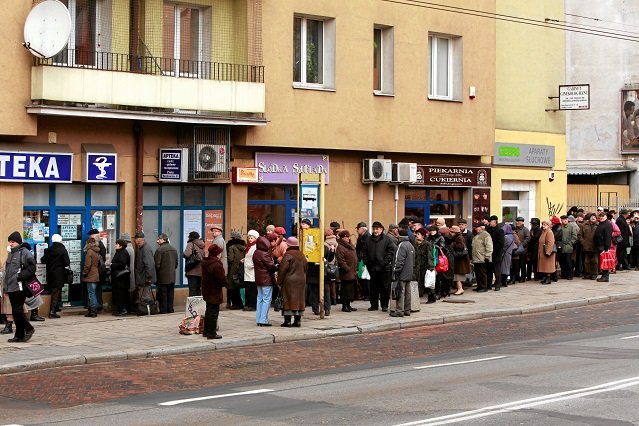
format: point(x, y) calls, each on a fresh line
point(630, 337)
point(460, 362)
point(204, 398)
point(526, 403)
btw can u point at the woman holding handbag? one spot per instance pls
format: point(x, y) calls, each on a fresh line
point(546, 252)
point(193, 255)
point(120, 274)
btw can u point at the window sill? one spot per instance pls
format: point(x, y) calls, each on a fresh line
point(314, 87)
point(433, 98)
point(379, 93)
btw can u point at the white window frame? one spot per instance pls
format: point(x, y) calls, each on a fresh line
point(328, 53)
point(387, 61)
point(177, 41)
point(102, 34)
point(453, 67)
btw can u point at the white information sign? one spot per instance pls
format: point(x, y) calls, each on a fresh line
point(574, 97)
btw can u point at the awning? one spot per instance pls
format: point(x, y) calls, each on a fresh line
point(595, 172)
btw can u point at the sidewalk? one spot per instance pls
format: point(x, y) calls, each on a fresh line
point(74, 339)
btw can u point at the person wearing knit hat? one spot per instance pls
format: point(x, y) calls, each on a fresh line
point(270, 229)
point(291, 279)
point(555, 220)
point(280, 231)
point(19, 261)
point(15, 237)
point(253, 233)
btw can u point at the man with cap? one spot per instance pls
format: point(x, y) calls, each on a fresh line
point(218, 240)
point(622, 258)
point(20, 267)
point(482, 253)
point(403, 269)
point(499, 241)
point(166, 263)
point(533, 249)
point(586, 237)
point(144, 265)
point(379, 252)
point(362, 236)
point(393, 233)
point(519, 255)
point(568, 240)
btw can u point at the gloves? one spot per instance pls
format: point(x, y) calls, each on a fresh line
point(487, 260)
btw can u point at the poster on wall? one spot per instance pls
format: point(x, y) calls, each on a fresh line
point(96, 220)
point(480, 204)
point(212, 217)
point(311, 244)
point(192, 222)
point(629, 124)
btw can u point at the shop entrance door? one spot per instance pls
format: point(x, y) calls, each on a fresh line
point(510, 210)
point(70, 225)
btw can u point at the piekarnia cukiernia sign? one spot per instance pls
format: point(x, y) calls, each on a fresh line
point(36, 167)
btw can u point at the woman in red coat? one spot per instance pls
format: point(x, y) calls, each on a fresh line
point(213, 280)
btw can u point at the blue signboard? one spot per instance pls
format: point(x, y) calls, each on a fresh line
point(101, 168)
point(36, 167)
point(174, 164)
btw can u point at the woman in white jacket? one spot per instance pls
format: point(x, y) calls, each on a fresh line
point(250, 290)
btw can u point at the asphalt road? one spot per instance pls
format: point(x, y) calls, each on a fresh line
point(570, 367)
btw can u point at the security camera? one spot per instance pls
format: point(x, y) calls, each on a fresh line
point(551, 175)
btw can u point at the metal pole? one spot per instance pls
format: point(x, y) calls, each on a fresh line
point(138, 134)
point(370, 205)
point(321, 225)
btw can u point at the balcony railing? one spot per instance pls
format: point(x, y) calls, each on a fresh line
point(107, 61)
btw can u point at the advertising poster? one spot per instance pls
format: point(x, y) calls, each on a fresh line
point(212, 217)
point(96, 220)
point(629, 130)
point(41, 273)
point(481, 204)
point(38, 232)
point(311, 244)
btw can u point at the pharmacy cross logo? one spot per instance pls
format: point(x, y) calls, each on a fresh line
point(102, 163)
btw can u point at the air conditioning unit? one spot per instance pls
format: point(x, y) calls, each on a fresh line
point(376, 170)
point(404, 173)
point(210, 158)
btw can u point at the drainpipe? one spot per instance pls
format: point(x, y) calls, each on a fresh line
point(138, 135)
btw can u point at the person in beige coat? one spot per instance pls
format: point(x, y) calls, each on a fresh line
point(292, 280)
point(546, 252)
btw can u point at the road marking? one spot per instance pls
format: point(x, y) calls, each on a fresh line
point(459, 362)
point(526, 403)
point(630, 337)
point(204, 398)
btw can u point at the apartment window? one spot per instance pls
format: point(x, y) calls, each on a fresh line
point(314, 52)
point(184, 40)
point(445, 66)
point(90, 33)
point(383, 60)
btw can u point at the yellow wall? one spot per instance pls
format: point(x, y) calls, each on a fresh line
point(546, 191)
point(120, 23)
point(351, 117)
point(530, 67)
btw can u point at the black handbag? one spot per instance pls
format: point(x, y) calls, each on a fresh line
point(278, 303)
point(331, 270)
point(192, 261)
point(123, 272)
point(69, 277)
point(618, 239)
point(147, 304)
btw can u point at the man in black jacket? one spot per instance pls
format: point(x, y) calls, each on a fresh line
point(533, 247)
point(362, 236)
point(499, 240)
point(622, 258)
point(379, 252)
point(602, 241)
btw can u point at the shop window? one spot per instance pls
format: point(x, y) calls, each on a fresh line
point(36, 194)
point(150, 195)
point(271, 204)
point(171, 196)
point(151, 225)
point(171, 225)
point(214, 195)
point(266, 192)
point(69, 195)
point(261, 215)
point(104, 195)
point(192, 195)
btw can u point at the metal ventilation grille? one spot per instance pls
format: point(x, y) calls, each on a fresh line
point(209, 153)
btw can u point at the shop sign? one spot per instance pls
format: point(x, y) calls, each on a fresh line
point(174, 164)
point(100, 167)
point(459, 176)
point(36, 167)
point(573, 96)
point(286, 168)
point(245, 175)
point(515, 154)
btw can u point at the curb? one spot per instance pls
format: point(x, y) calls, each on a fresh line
point(381, 326)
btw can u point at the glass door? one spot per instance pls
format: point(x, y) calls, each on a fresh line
point(70, 225)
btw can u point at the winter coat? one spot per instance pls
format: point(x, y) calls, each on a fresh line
point(249, 268)
point(460, 252)
point(424, 260)
point(360, 247)
point(568, 238)
point(507, 251)
point(635, 235)
point(346, 260)
point(19, 268)
point(624, 228)
point(213, 280)
point(144, 266)
point(120, 261)
point(219, 241)
point(263, 263)
point(603, 236)
point(535, 233)
point(235, 251)
point(498, 237)
point(91, 272)
point(403, 267)
point(546, 257)
point(587, 235)
point(197, 246)
point(131, 252)
point(524, 239)
point(166, 263)
point(450, 256)
point(291, 278)
point(56, 258)
point(279, 250)
point(482, 247)
point(379, 253)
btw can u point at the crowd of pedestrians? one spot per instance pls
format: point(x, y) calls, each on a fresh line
point(392, 269)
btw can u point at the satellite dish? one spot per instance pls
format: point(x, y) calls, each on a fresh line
point(47, 29)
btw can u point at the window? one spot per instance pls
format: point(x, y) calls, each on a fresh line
point(314, 52)
point(445, 72)
point(383, 52)
point(184, 39)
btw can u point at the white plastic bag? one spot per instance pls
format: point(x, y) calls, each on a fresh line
point(429, 279)
point(365, 274)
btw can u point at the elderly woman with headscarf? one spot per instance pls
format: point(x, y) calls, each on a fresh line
point(507, 258)
point(347, 262)
point(546, 252)
point(213, 280)
point(291, 278)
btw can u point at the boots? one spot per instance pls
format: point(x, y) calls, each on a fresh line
point(350, 308)
point(52, 314)
point(298, 321)
point(287, 321)
point(345, 307)
point(35, 316)
point(546, 280)
point(8, 328)
point(92, 313)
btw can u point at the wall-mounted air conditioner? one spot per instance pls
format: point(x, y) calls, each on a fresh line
point(404, 173)
point(210, 158)
point(376, 170)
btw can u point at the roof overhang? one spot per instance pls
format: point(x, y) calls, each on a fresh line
point(583, 171)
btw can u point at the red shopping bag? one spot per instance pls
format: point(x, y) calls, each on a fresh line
point(606, 261)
